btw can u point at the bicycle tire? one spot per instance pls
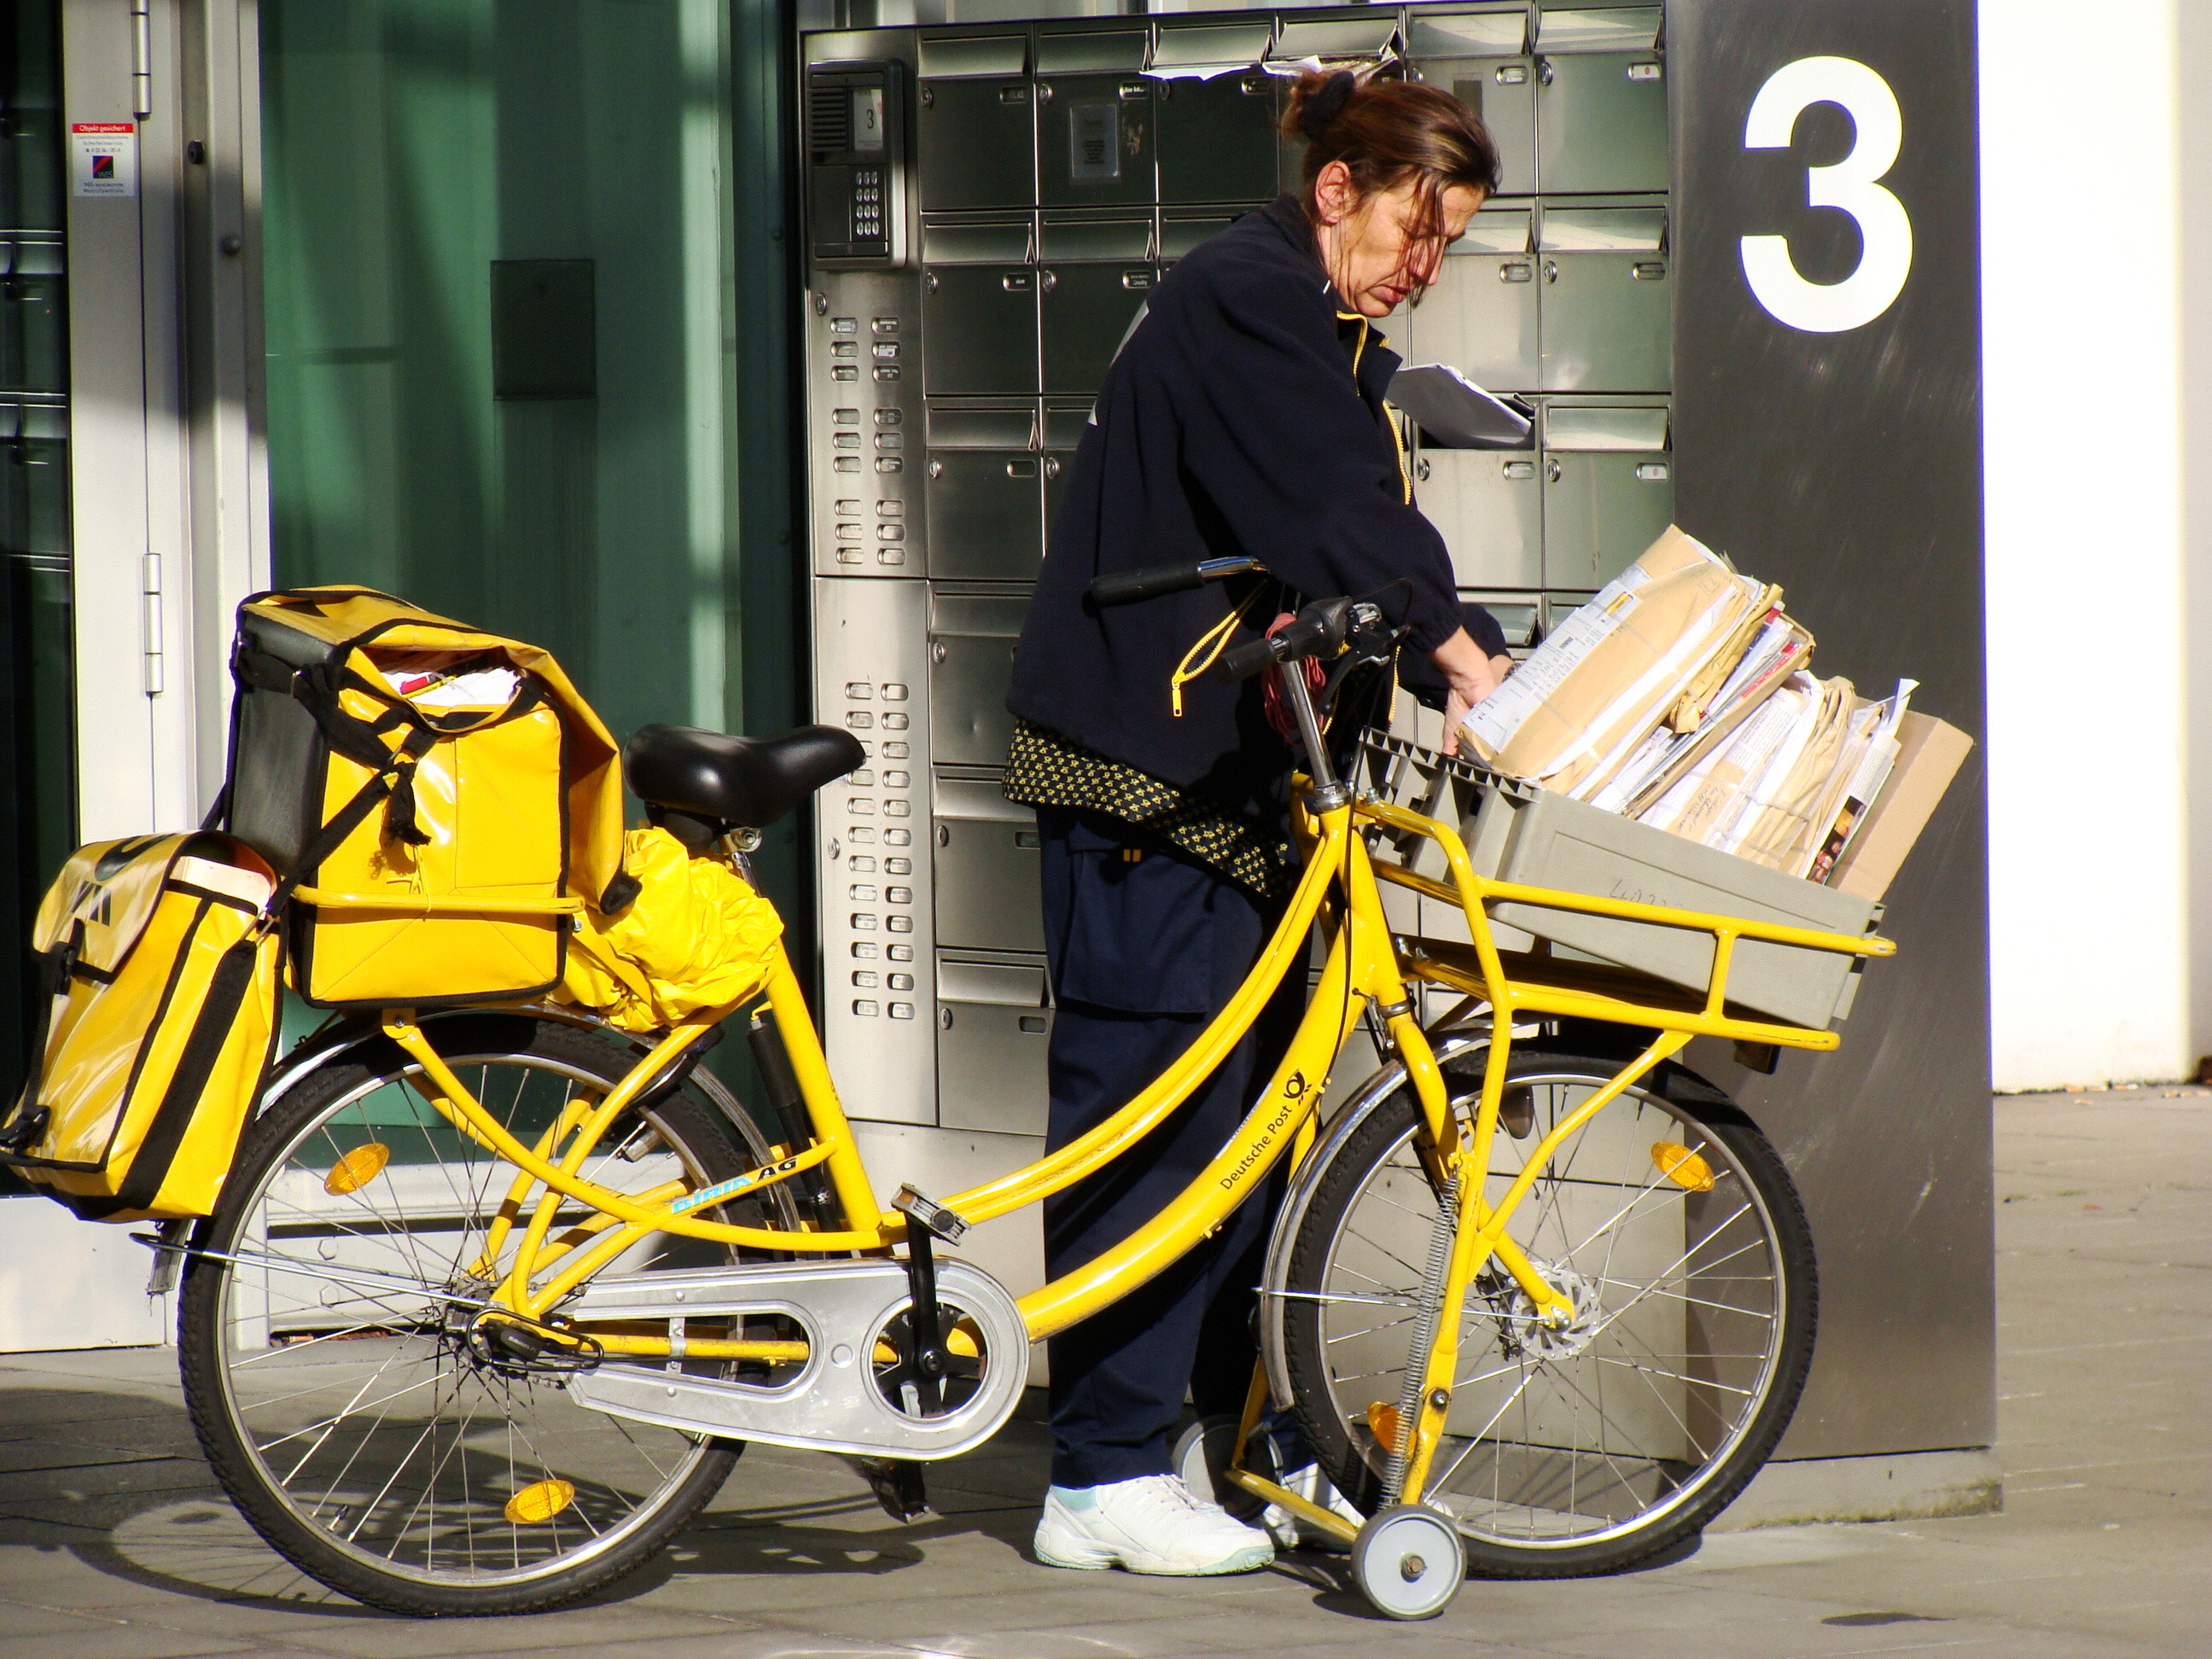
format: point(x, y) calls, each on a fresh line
point(1542, 1478)
point(631, 1487)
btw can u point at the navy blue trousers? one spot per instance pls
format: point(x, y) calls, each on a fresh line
point(1144, 952)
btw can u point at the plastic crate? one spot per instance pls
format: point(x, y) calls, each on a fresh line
point(1515, 832)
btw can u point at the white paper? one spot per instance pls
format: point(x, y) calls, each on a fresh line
point(246, 886)
point(485, 687)
point(1635, 772)
point(1769, 645)
point(1749, 747)
point(1456, 412)
point(1770, 780)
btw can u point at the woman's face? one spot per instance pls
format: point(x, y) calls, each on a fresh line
point(1369, 247)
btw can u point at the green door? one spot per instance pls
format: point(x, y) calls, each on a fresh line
point(526, 309)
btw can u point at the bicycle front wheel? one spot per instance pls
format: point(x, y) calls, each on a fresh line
point(348, 1392)
point(1668, 1221)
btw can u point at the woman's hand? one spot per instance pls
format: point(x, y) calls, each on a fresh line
point(1470, 676)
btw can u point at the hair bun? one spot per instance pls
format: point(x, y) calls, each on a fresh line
point(1325, 102)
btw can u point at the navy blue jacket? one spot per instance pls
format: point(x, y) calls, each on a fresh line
point(1244, 415)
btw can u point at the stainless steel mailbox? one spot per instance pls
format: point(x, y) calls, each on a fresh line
point(1519, 616)
point(872, 893)
point(1608, 491)
point(1607, 305)
point(1482, 59)
point(1182, 231)
point(1481, 316)
point(977, 127)
point(1095, 119)
point(1601, 101)
point(983, 490)
point(987, 862)
point(994, 1025)
point(864, 425)
point(1094, 274)
point(979, 308)
point(971, 662)
point(1217, 113)
point(1489, 506)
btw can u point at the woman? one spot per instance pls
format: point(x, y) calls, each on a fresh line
point(1244, 414)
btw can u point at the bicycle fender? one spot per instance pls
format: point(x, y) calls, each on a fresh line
point(335, 1040)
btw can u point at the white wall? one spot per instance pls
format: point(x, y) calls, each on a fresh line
point(2090, 918)
point(71, 1284)
point(2194, 71)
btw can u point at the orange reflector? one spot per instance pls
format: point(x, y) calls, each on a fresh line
point(357, 1168)
point(541, 1501)
point(1384, 1424)
point(1682, 1166)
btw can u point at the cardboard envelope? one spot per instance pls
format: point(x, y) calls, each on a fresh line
point(1592, 691)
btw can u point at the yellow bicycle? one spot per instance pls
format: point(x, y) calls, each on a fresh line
point(493, 1298)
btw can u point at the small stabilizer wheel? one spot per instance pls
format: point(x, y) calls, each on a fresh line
point(1408, 1561)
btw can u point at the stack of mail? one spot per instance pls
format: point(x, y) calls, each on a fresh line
point(1679, 696)
point(1787, 789)
point(1654, 647)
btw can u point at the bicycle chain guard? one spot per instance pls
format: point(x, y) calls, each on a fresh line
point(836, 1402)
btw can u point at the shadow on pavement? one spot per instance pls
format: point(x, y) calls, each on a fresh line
point(117, 1481)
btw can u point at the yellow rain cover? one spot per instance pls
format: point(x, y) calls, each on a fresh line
point(696, 936)
point(354, 617)
point(475, 796)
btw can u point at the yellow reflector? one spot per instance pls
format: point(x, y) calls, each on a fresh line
point(1682, 1166)
point(1382, 1422)
point(357, 1168)
point(540, 1502)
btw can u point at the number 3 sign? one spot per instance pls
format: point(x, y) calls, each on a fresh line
point(1852, 184)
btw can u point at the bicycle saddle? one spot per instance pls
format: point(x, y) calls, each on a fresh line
point(752, 781)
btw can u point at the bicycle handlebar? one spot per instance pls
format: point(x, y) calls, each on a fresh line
point(1320, 627)
point(1128, 587)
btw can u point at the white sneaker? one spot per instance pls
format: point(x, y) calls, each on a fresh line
point(1290, 1531)
point(1151, 1524)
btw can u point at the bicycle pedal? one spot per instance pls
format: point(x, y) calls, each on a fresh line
point(898, 1486)
point(948, 1224)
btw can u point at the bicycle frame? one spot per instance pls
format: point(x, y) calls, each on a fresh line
point(1365, 967)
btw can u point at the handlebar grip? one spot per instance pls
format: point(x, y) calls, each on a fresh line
point(1127, 586)
point(1243, 661)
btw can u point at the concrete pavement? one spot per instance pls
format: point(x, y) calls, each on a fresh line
point(114, 1543)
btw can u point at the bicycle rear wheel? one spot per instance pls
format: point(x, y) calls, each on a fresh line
point(1668, 1221)
point(351, 1400)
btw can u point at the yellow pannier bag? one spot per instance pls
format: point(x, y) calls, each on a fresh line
point(447, 801)
point(696, 936)
point(162, 965)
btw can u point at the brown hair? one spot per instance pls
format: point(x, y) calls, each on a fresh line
point(1388, 131)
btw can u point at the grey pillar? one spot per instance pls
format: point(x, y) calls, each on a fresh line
point(1840, 455)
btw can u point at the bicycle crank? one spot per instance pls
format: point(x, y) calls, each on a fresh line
point(845, 1398)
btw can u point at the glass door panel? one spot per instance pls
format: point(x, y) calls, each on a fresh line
point(506, 328)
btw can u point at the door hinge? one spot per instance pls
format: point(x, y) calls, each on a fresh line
point(153, 611)
point(142, 57)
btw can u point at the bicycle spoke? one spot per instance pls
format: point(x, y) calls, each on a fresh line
point(1584, 1427)
point(378, 1408)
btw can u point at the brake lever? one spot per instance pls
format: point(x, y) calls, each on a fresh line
point(1367, 643)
